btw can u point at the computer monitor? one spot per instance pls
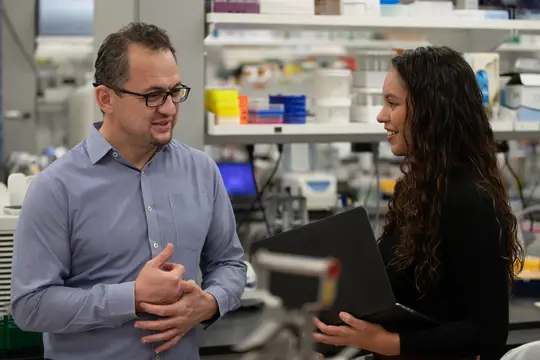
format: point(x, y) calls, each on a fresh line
point(238, 179)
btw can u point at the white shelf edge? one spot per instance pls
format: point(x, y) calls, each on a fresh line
point(211, 41)
point(322, 133)
point(458, 23)
point(519, 48)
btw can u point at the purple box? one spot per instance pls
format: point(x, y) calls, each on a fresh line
point(232, 7)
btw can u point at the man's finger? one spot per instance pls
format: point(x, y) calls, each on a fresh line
point(156, 325)
point(159, 310)
point(169, 344)
point(163, 257)
point(160, 337)
point(189, 286)
point(176, 270)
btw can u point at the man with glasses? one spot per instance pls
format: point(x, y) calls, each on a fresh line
point(112, 235)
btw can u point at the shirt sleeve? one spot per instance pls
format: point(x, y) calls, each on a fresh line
point(41, 263)
point(475, 261)
point(222, 266)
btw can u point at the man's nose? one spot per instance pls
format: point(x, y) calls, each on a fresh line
point(168, 107)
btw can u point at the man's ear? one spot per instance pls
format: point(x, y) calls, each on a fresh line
point(104, 99)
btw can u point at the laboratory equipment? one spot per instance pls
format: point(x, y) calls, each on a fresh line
point(319, 188)
point(11, 199)
point(250, 297)
point(348, 237)
point(287, 334)
point(82, 113)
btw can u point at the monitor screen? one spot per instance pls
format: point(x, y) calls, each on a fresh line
point(238, 179)
point(65, 17)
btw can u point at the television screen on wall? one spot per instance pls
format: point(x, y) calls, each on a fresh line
point(65, 17)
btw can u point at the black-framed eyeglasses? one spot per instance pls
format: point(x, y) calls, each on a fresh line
point(158, 97)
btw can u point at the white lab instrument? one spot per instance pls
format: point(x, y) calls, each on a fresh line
point(83, 112)
point(319, 189)
point(16, 191)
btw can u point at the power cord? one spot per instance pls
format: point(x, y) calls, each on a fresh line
point(251, 155)
point(504, 148)
point(260, 194)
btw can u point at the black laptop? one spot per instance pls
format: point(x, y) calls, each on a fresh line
point(364, 289)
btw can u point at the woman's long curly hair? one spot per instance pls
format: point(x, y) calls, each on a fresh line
point(449, 129)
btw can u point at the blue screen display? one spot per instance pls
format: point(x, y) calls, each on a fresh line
point(238, 178)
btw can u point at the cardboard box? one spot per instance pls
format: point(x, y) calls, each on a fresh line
point(486, 68)
point(523, 96)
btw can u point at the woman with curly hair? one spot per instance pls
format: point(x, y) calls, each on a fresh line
point(450, 238)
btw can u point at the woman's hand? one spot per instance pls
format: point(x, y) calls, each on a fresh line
point(360, 334)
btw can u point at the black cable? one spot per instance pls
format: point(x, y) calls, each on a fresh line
point(251, 154)
point(519, 188)
point(29, 60)
point(260, 193)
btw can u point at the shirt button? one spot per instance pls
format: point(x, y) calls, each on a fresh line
point(158, 357)
point(156, 245)
point(149, 208)
point(115, 154)
point(142, 173)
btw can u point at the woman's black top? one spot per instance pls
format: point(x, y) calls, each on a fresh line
point(472, 295)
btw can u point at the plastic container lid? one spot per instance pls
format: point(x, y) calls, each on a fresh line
point(267, 112)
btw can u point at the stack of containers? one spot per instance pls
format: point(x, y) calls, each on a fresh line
point(243, 105)
point(294, 107)
point(360, 8)
point(367, 85)
point(224, 103)
point(232, 6)
point(272, 114)
point(333, 96)
point(297, 7)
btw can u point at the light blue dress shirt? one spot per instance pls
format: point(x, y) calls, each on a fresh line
point(90, 222)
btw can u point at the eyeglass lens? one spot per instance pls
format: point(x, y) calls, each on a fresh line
point(158, 98)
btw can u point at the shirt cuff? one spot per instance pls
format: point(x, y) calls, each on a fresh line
point(122, 301)
point(222, 304)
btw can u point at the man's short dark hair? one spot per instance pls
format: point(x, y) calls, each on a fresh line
point(112, 63)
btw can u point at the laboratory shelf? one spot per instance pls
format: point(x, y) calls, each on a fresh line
point(211, 42)
point(305, 22)
point(509, 47)
point(324, 133)
point(480, 34)
point(293, 133)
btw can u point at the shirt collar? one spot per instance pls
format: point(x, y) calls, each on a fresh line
point(96, 144)
point(98, 147)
